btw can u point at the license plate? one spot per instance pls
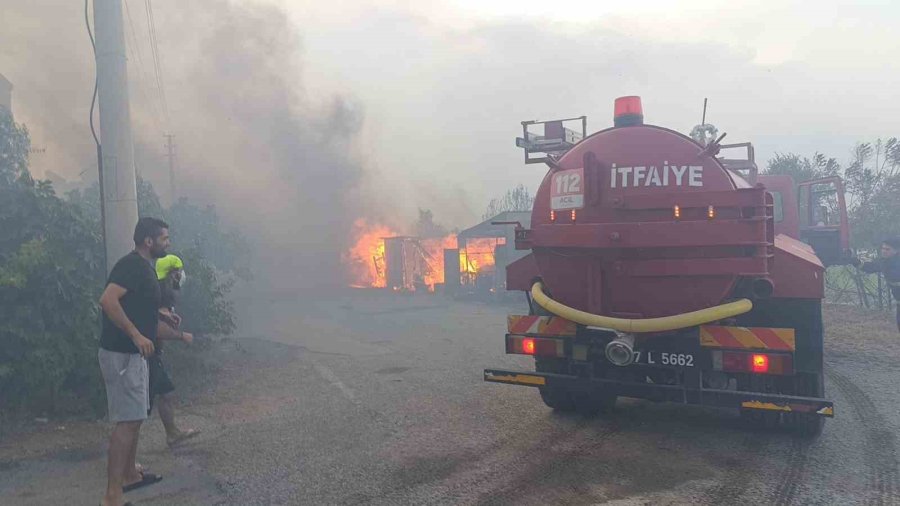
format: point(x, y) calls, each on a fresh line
point(664, 358)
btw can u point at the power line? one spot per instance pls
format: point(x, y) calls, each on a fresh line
point(142, 77)
point(154, 49)
point(87, 23)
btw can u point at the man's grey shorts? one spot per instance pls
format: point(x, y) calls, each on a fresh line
point(127, 381)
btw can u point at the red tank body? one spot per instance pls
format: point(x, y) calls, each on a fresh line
point(628, 253)
point(665, 271)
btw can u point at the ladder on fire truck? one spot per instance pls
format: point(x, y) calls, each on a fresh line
point(553, 142)
point(707, 136)
point(745, 167)
point(556, 139)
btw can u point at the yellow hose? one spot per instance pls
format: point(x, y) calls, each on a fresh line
point(662, 324)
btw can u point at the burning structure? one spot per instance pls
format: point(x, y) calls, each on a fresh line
point(383, 258)
point(484, 251)
point(413, 264)
point(460, 263)
point(364, 261)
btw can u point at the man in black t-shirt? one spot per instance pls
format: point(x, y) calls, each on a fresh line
point(130, 302)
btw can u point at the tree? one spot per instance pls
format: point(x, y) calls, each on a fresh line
point(211, 254)
point(50, 277)
point(211, 258)
point(199, 227)
point(873, 182)
point(52, 274)
point(14, 146)
point(148, 201)
point(802, 168)
point(516, 199)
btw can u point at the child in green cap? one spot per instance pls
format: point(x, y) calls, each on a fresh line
point(171, 277)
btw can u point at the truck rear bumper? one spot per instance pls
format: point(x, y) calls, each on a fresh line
point(669, 393)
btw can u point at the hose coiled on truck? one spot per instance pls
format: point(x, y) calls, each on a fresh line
point(631, 326)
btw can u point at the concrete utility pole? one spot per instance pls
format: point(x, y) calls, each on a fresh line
point(170, 154)
point(119, 186)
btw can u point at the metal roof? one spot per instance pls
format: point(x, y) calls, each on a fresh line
point(485, 229)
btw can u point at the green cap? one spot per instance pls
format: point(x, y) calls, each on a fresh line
point(167, 264)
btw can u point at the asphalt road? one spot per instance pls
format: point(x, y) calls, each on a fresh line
point(372, 398)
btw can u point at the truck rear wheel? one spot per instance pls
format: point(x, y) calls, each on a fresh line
point(559, 399)
point(809, 424)
point(804, 424)
point(585, 402)
point(566, 400)
point(556, 398)
point(595, 402)
point(805, 316)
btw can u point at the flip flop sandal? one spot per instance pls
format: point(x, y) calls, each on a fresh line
point(146, 479)
point(188, 434)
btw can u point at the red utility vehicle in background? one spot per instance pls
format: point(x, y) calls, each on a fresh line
point(662, 270)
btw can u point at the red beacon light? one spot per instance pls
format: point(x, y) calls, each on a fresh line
point(628, 111)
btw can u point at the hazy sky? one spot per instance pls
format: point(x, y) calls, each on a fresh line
point(438, 88)
point(446, 83)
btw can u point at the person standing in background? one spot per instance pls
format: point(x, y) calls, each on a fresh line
point(889, 265)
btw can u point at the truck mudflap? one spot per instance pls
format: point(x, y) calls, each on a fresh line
point(670, 393)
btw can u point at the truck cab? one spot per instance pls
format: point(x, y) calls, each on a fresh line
point(814, 211)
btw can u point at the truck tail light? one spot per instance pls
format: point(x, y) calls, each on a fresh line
point(537, 346)
point(750, 362)
point(760, 363)
point(711, 212)
point(573, 215)
point(528, 346)
point(676, 212)
point(552, 215)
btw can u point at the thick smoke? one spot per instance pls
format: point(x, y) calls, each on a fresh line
point(45, 53)
point(278, 163)
point(290, 165)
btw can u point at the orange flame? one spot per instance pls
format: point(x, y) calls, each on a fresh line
point(365, 260)
point(435, 258)
point(478, 254)
point(366, 266)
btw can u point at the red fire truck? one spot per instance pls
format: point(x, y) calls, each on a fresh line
point(662, 270)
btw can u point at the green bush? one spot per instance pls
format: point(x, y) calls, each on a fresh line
point(52, 274)
point(49, 281)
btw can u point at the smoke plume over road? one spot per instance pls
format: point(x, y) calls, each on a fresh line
point(298, 118)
